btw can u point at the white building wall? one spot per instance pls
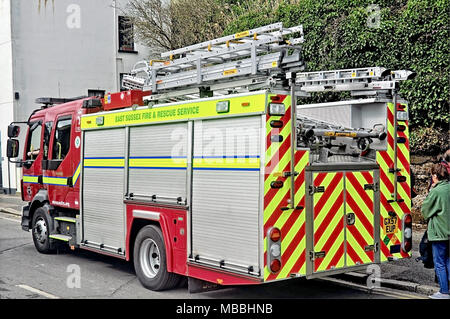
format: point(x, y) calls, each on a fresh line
point(6, 88)
point(60, 48)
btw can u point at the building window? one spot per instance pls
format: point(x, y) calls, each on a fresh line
point(126, 35)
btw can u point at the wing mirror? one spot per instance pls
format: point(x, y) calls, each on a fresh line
point(12, 148)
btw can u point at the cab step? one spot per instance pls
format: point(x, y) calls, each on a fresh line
point(60, 237)
point(66, 219)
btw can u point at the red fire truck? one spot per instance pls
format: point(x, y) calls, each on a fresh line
point(208, 168)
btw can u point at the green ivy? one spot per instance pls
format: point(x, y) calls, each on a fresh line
point(412, 34)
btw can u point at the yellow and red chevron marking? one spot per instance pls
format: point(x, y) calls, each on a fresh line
point(290, 222)
point(329, 221)
point(359, 202)
point(386, 161)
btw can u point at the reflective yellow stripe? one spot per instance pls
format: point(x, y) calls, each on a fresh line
point(55, 181)
point(104, 162)
point(30, 179)
point(242, 163)
point(158, 162)
point(249, 104)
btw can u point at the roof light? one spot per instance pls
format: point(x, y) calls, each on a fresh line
point(276, 109)
point(402, 116)
point(223, 107)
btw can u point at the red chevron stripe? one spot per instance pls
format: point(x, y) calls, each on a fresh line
point(331, 240)
point(272, 191)
point(360, 190)
point(279, 154)
point(353, 255)
point(277, 212)
point(290, 249)
point(329, 189)
point(329, 217)
point(361, 241)
point(299, 263)
point(390, 187)
point(360, 214)
point(335, 260)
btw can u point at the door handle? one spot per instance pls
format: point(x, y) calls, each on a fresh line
point(351, 219)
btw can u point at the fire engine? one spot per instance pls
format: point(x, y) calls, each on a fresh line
point(208, 167)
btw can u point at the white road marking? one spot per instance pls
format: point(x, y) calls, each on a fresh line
point(10, 219)
point(37, 291)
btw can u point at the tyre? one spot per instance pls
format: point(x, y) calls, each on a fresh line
point(150, 261)
point(41, 231)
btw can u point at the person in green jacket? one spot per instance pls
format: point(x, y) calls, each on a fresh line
point(436, 210)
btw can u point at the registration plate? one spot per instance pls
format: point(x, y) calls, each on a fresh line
point(390, 225)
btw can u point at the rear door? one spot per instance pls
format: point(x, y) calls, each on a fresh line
point(342, 210)
point(359, 205)
point(328, 221)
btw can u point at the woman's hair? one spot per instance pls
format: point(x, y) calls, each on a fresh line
point(447, 156)
point(440, 171)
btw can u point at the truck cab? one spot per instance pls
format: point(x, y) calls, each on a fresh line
point(51, 155)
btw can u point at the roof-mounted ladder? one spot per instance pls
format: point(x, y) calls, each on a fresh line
point(254, 54)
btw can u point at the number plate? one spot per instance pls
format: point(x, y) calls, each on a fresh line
point(390, 225)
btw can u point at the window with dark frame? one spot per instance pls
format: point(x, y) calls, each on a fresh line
point(126, 35)
point(61, 143)
point(34, 142)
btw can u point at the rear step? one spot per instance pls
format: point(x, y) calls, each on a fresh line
point(61, 237)
point(66, 219)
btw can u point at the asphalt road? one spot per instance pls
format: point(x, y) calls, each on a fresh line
point(27, 274)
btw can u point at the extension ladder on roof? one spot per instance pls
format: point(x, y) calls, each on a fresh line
point(254, 54)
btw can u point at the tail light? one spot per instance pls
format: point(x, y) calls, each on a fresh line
point(274, 249)
point(275, 234)
point(275, 265)
point(407, 233)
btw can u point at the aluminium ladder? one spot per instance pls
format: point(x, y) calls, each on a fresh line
point(249, 57)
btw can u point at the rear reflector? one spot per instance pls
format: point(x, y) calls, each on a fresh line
point(276, 184)
point(276, 124)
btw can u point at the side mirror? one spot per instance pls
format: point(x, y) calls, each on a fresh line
point(13, 131)
point(12, 148)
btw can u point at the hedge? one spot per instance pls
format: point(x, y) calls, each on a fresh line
point(339, 34)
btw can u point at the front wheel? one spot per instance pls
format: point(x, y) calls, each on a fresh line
point(41, 231)
point(150, 260)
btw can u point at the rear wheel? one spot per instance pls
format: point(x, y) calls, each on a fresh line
point(41, 231)
point(150, 261)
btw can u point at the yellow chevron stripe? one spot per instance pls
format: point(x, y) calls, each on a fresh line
point(367, 212)
point(272, 150)
point(330, 201)
point(330, 228)
point(358, 250)
point(294, 257)
point(332, 252)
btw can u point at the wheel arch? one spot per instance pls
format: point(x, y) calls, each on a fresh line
point(137, 224)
